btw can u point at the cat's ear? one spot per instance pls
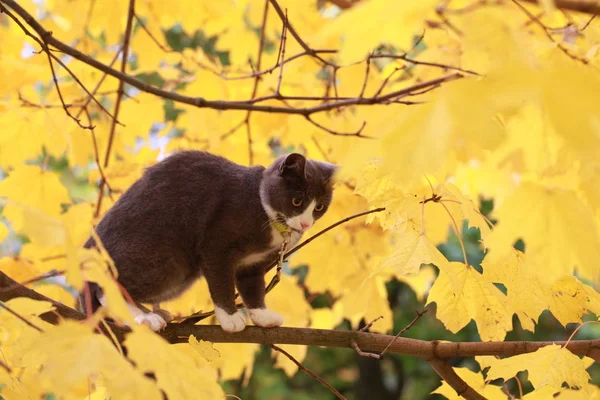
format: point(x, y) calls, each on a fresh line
point(328, 171)
point(293, 164)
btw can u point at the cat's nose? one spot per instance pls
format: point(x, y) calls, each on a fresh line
point(304, 225)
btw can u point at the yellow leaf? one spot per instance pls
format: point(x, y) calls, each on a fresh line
point(462, 294)
point(567, 300)
point(288, 300)
point(177, 373)
point(327, 318)
point(411, 251)
point(367, 299)
point(205, 348)
point(545, 218)
point(68, 232)
point(550, 365)
point(476, 381)
point(94, 266)
point(420, 283)
point(238, 359)
point(71, 355)
point(18, 269)
point(484, 361)
point(29, 184)
point(526, 295)
point(398, 23)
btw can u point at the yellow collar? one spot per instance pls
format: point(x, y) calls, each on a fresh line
point(281, 228)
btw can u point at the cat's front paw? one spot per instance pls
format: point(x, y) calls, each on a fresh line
point(151, 320)
point(265, 318)
point(231, 322)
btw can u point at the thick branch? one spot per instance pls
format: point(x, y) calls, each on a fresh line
point(427, 350)
point(447, 373)
point(584, 6)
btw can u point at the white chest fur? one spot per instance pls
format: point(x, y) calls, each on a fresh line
point(275, 245)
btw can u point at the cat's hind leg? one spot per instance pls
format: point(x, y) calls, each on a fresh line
point(163, 313)
point(152, 320)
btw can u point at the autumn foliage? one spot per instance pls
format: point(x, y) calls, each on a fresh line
point(430, 108)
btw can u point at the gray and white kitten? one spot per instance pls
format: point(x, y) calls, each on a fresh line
point(196, 214)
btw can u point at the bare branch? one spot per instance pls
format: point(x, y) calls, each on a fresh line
point(120, 91)
point(281, 54)
point(380, 355)
point(300, 41)
point(427, 350)
point(546, 30)
point(222, 104)
point(370, 324)
point(583, 6)
point(308, 371)
point(19, 316)
point(407, 327)
point(447, 373)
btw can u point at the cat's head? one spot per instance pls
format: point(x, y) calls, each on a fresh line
point(297, 191)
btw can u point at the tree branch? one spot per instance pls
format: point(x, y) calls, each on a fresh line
point(309, 372)
point(120, 93)
point(222, 104)
point(426, 350)
point(447, 373)
point(584, 6)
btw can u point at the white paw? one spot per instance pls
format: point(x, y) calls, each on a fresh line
point(167, 316)
point(231, 322)
point(265, 318)
point(152, 320)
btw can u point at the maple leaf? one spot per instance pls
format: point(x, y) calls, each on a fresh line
point(177, 373)
point(550, 365)
point(68, 355)
point(462, 294)
point(412, 250)
point(35, 187)
point(544, 217)
point(205, 348)
point(474, 380)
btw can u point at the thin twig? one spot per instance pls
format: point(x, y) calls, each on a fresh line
point(358, 133)
point(308, 371)
point(300, 41)
point(407, 327)
point(120, 91)
point(370, 324)
point(47, 38)
point(47, 275)
point(458, 235)
point(261, 44)
point(221, 104)
point(588, 23)
point(283, 39)
point(406, 58)
point(59, 92)
point(537, 21)
point(19, 316)
point(6, 367)
point(376, 356)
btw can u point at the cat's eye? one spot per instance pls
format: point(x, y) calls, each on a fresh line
point(319, 207)
point(296, 202)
